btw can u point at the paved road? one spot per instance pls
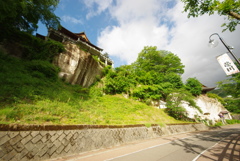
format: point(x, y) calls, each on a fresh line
point(220, 144)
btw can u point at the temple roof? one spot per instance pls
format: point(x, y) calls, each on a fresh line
point(206, 89)
point(76, 36)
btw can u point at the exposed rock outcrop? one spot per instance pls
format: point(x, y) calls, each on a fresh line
point(210, 109)
point(78, 66)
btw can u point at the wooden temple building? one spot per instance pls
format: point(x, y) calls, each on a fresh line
point(81, 39)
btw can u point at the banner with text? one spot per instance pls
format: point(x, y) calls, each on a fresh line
point(227, 64)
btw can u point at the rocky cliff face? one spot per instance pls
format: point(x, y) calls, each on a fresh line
point(210, 109)
point(78, 66)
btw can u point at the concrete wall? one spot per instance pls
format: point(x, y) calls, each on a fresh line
point(35, 142)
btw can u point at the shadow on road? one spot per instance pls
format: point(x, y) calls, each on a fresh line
point(223, 144)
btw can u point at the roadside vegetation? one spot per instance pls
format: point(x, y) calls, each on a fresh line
point(32, 93)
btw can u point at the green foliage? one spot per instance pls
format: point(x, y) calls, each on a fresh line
point(193, 86)
point(151, 77)
point(233, 121)
point(218, 124)
point(231, 86)
point(232, 104)
point(24, 15)
point(174, 101)
point(144, 92)
point(27, 81)
point(33, 48)
point(39, 67)
point(151, 59)
point(215, 96)
point(229, 8)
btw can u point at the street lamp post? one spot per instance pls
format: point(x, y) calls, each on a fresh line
point(213, 43)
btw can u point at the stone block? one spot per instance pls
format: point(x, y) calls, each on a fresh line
point(45, 156)
point(24, 133)
point(37, 138)
point(57, 143)
point(23, 153)
point(26, 139)
point(18, 147)
point(29, 146)
point(65, 142)
point(15, 140)
point(43, 151)
point(7, 147)
point(4, 139)
point(9, 155)
point(34, 133)
point(40, 145)
point(3, 134)
point(52, 150)
point(63, 135)
point(69, 136)
point(54, 137)
point(12, 134)
point(45, 137)
point(60, 149)
point(67, 148)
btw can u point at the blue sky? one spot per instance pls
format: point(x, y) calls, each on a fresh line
point(123, 27)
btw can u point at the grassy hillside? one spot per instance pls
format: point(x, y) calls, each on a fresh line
point(31, 93)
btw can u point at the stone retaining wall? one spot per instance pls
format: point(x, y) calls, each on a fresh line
point(40, 142)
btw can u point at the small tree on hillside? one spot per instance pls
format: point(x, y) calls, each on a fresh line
point(193, 86)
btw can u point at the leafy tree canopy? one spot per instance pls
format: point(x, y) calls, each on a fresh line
point(153, 76)
point(24, 15)
point(229, 8)
point(231, 86)
point(160, 61)
point(193, 86)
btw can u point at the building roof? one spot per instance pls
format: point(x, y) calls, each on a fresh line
point(83, 36)
point(78, 36)
point(206, 89)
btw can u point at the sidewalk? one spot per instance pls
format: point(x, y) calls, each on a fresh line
point(226, 149)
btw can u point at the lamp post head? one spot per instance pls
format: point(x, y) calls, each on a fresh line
point(212, 43)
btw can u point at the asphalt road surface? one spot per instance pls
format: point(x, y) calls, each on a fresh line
point(219, 144)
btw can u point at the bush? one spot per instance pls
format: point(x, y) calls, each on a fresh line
point(232, 105)
point(215, 96)
point(39, 67)
point(233, 121)
point(33, 48)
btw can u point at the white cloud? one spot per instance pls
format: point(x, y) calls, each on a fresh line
point(190, 42)
point(146, 22)
point(96, 7)
point(138, 27)
point(69, 19)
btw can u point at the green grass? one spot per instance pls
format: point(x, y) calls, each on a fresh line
point(31, 93)
point(106, 110)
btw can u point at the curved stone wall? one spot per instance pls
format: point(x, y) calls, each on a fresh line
point(40, 142)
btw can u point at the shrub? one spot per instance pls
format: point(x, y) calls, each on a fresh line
point(232, 104)
point(39, 67)
point(215, 96)
point(33, 48)
point(233, 121)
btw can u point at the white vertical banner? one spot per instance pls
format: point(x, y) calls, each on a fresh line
point(227, 64)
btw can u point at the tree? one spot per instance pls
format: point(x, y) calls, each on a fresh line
point(24, 15)
point(231, 86)
point(193, 86)
point(160, 61)
point(229, 8)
